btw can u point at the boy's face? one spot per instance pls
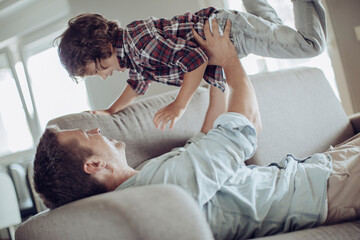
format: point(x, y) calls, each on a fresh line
point(105, 67)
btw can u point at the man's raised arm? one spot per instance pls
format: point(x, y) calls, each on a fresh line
point(222, 52)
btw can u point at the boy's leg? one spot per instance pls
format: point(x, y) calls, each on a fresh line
point(263, 34)
point(262, 9)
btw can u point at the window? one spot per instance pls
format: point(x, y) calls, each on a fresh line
point(33, 91)
point(15, 134)
point(55, 94)
point(255, 64)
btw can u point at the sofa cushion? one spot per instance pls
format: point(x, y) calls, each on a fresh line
point(300, 113)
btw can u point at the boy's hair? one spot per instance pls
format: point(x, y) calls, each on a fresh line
point(88, 38)
point(59, 177)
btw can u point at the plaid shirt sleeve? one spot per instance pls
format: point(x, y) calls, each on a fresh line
point(214, 76)
point(138, 82)
point(190, 58)
point(162, 57)
point(184, 55)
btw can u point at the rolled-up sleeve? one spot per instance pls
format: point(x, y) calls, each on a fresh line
point(189, 58)
point(234, 129)
point(138, 82)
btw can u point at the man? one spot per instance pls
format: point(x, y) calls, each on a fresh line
point(238, 201)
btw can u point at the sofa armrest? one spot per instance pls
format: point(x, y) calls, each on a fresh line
point(150, 212)
point(355, 122)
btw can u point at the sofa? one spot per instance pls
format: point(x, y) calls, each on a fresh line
point(300, 115)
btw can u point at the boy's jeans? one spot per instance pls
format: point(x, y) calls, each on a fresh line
point(260, 31)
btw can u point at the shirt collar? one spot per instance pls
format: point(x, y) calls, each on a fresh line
point(121, 55)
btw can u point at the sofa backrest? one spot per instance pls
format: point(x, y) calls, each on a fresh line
point(300, 114)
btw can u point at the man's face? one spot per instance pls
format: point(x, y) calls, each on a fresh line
point(104, 68)
point(101, 146)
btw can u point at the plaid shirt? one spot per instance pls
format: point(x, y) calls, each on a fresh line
point(164, 50)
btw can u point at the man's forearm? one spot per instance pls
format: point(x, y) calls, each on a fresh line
point(242, 95)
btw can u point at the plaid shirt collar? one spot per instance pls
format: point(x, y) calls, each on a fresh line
point(123, 59)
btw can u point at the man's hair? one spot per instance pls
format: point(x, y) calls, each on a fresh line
point(59, 177)
point(87, 39)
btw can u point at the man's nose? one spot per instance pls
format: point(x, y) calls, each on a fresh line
point(94, 131)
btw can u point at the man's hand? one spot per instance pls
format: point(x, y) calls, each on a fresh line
point(219, 49)
point(171, 113)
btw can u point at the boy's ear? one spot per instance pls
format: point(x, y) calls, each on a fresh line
point(93, 165)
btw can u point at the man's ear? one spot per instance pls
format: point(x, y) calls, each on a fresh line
point(94, 165)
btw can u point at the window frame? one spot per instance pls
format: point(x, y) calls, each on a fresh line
point(24, 155)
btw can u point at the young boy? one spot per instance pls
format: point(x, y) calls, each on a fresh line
point(164, 50)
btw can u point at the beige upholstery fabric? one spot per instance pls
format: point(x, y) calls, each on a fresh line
point(130, 214)
point(344, 231)
point(300, 115)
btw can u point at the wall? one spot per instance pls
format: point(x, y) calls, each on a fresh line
point(344, 16)
point(27, 16)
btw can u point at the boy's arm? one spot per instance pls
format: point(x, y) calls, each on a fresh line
point(126, 97)
point(172, 112)
point(218, 102)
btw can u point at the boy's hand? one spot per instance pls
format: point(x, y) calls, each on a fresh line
point(219, 49)
point(100, 112)
point(171, 113)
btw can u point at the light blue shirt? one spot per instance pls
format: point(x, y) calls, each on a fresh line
point(242, 201)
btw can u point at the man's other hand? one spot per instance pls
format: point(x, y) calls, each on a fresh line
point(219, 49)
